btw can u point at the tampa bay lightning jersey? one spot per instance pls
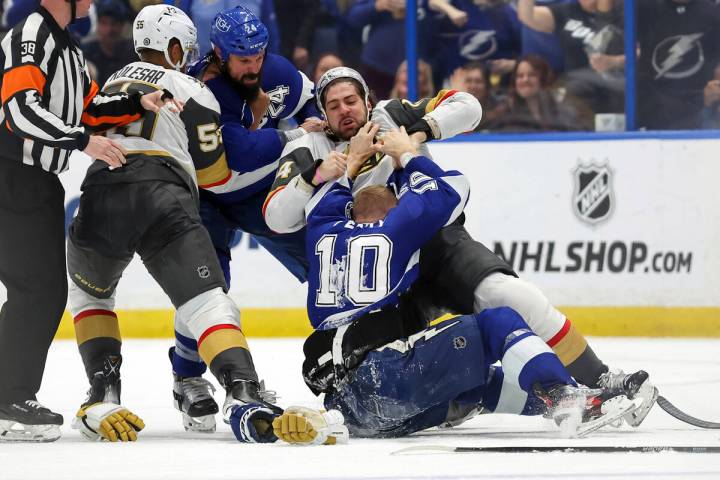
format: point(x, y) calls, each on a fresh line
point(253, 155)
point(357, 268)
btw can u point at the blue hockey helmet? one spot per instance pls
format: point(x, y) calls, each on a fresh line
point(238, 31)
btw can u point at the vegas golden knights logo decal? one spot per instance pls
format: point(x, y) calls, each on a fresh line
point(593, 198)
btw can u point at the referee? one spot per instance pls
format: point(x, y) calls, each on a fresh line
point(49, 104)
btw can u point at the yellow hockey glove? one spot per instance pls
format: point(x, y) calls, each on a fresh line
point(304, 426)
point(108, 421)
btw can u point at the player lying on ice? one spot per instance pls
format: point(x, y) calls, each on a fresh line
point(457, 274)
point(149, 206)
point(372, 355)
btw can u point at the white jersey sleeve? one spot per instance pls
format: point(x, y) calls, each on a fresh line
point(284, 207)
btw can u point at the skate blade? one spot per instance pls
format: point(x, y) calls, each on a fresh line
point(614, 409)
point(648, 395)
point(17, 432)
point(204, 424)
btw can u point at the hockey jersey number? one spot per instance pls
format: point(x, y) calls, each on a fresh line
point(364, 280)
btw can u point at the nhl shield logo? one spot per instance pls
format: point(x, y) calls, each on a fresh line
point(593, 198)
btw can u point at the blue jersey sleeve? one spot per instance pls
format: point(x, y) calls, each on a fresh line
point(249, 150)
point(430, 198)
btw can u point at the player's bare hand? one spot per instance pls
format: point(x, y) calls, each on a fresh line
point(313, 124)
point(362, 146)
point(106, 150)
point(332, 167)
point(154, 101)
point(397, 142)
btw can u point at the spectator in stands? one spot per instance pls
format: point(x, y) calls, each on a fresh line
point(296, 21)
point(477, 30)
point(203, 12)
point(333, 33)
point(547, 45)
point(137, 5)
point(384, 49)
point(531, 104)
point(325, 62)
point(111, 50)
point(711, 97)
point(426, 87)
point(590, 33)
point(16, 10)
point(474, 78)
point(679, 42)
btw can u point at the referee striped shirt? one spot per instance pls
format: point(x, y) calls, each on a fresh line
point(49, 102)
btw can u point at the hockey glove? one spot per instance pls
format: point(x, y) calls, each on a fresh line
point(304, 426)
point(108, 421)
point(252, 423)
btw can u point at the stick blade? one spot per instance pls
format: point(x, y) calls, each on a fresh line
point(671, 409)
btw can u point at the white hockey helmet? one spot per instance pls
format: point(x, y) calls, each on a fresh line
point(156, 25)
point(335, 74)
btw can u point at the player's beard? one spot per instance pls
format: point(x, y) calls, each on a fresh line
point(248, 93)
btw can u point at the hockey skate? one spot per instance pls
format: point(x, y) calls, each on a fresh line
point(28, 421)
point(193, 398)
point(633, 386)
point(249, 410)
point(580, 411)
point(101, 416)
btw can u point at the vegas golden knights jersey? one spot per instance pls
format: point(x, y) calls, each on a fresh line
point(191, 138)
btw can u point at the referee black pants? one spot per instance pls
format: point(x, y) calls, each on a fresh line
point(32, 268)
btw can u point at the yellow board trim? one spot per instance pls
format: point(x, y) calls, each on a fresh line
point(293, 322)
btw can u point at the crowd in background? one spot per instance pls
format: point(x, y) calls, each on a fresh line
point(552, 65)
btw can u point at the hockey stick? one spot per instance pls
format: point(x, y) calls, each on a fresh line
point(665, 404)
point(545, 449)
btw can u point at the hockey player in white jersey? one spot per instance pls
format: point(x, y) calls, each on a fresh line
point(149, 206)
point(457, 273)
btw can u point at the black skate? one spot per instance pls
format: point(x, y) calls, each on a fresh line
point(249, 410)
point(105, 384)
point(28, 421)
point(633, 386)
point(579, 411)
point(193, 398)
point(104, 388)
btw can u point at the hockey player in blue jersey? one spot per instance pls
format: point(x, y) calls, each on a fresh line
point(364, 257)
point(458, 273)
point(256, 90)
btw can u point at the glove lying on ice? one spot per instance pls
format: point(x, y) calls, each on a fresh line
point(304, 426)
point(108, 421)
point(252, 423)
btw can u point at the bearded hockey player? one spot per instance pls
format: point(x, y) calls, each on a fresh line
point(149, 207)
point(457, 273)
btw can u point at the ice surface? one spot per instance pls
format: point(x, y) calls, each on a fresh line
point(686, 371)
